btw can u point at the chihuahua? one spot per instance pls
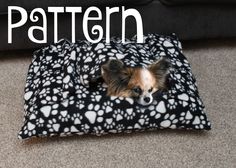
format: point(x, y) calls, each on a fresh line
point(139, 83)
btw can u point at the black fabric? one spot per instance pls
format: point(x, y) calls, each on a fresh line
point(59, 102)
point(209, 2)
point(31, 4)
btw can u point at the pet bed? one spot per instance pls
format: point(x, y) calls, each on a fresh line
point(64, 97)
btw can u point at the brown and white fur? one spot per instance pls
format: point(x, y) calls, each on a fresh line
point(139, 83)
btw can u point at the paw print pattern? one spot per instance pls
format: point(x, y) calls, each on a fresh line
point(107, 107)
point(80, 104)
point(76, 118)
point(29, 129)
point(120, 127)
point(144, 120)
point(64, 116)
point(85, 128)
point(96, 97)
point(193, 106)
point(59, 99)
point(199, 122)
point(44, 93)
point(58, 63)
point(186, 117)
point(95, 113)
point(118, 114)
point(40, 122)
point(129, 114)
point(53, 126)
point(98, 130)
point(169, 121)
point(172, 104)
point(152, 126)
point(109, 124)
point(139, 109)
point(82, 92)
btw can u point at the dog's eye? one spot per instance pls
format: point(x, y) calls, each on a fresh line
point(137, 90)
point(150, 90)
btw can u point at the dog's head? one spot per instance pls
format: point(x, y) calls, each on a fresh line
point(139, 83)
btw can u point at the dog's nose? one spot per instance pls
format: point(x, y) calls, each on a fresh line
point(147, 99)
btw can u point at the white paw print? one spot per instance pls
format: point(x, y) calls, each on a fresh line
point(95, 96)
point(99, 112)
point(36, 83)
point(100, 59)
point(53, 126)
point(82, 92)
point(44, 92)
point(80, 104)
point(107, 106)
point(94, 69)
point(118, 114)
point(98, 130)
point(102, 87)
point(64, 116)
point(199, 122)
point(172, 104)
point(39, 122)
point(120, 127)
point(169, 121)
point(76, 118)
point(85, 68)
point(85, 128)
point(144, 120)
point(185, 117)
point(48, 59)
point(172, 91)
point(152, 126)
point(179, 87)
point(178, 77)
point(57, 63)
point(29, 129)
point(129, 114)
point(109, 124)
point(193, 107)
point(139, 109)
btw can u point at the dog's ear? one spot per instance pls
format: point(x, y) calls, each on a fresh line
point(160, 69)
point(112, 71)
point(113, 66)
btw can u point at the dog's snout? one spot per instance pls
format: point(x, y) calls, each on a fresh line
point(147, 99)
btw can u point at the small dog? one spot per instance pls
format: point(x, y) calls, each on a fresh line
point(139, 83)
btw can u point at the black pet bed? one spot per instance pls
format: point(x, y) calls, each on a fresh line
point(60, 100)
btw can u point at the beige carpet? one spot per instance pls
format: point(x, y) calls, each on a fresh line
point(213, 63)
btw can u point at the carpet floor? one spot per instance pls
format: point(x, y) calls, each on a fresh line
point(214, 65)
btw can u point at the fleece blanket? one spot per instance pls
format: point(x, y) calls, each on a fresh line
point(60, 100)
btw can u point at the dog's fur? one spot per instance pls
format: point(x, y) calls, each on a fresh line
point(139, 82)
